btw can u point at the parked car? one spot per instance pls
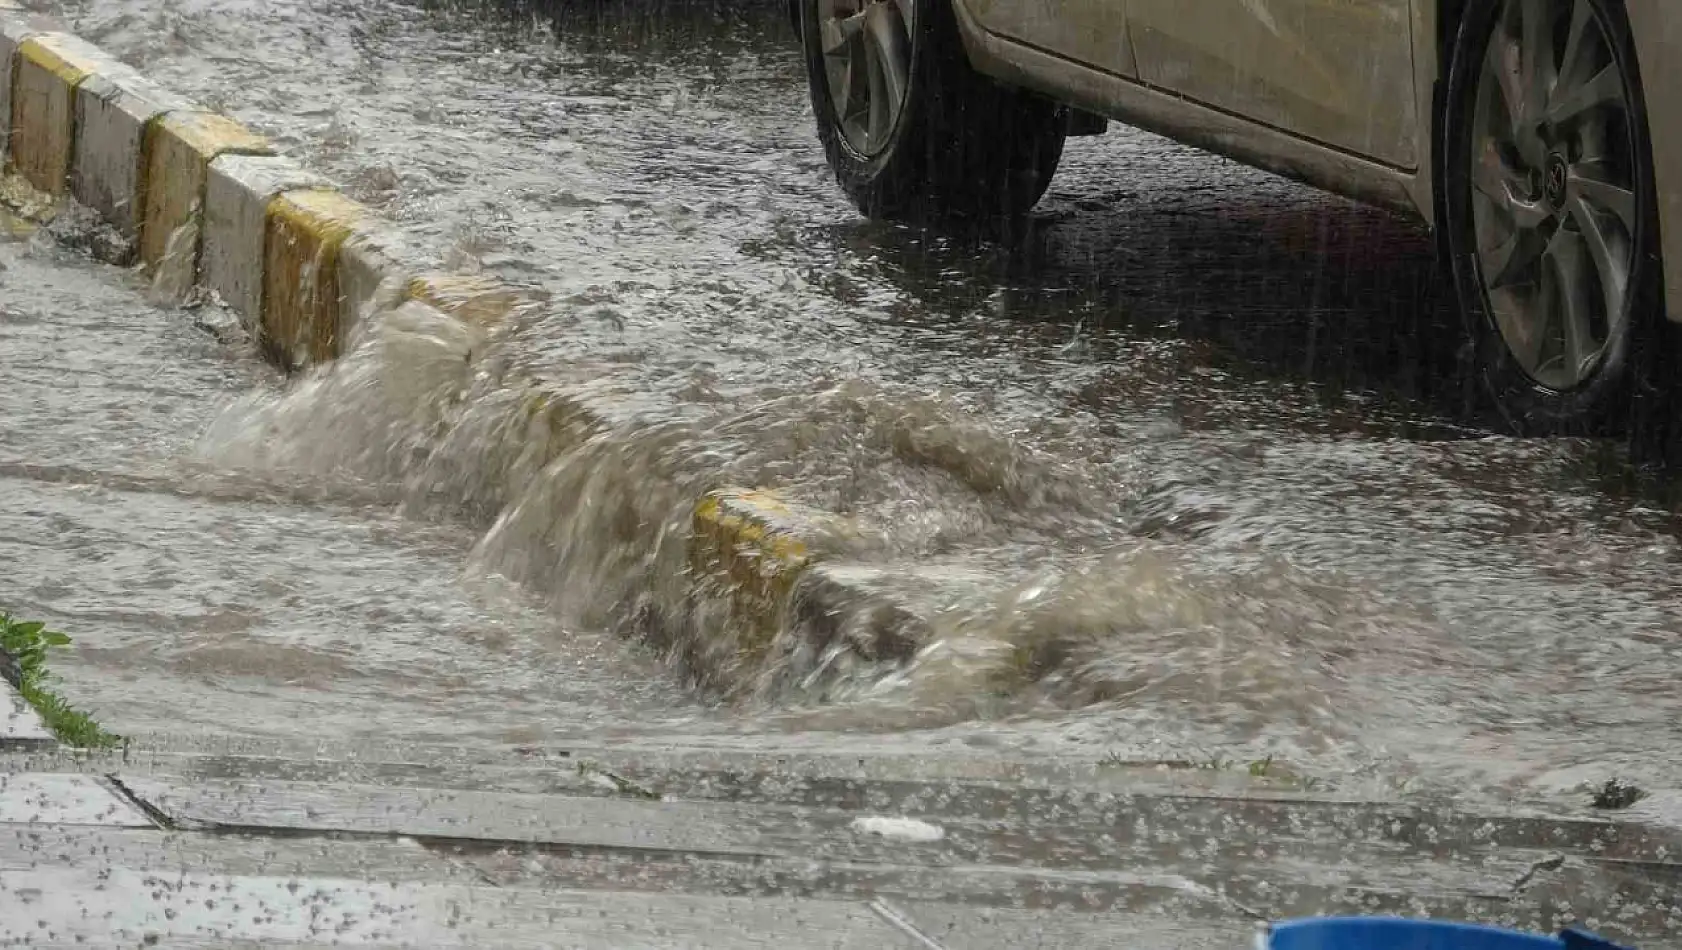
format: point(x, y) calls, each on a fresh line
point(1518, 128)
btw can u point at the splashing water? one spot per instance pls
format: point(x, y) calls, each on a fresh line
point(1142, 470)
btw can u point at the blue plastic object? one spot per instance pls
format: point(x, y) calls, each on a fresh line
point(1395, 933)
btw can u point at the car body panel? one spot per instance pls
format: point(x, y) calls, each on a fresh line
point(1335, 71)
point(1265, 111)
point(1177, 117)
point(1087, 31)
point(1656, 26)
point(1426, 30)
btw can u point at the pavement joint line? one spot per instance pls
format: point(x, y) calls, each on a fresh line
point(457, 844)
point(153, 813)
point(158, 170)
point(903, 924)
point(1552, 862)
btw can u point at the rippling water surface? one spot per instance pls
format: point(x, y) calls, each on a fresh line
point(1184, 461)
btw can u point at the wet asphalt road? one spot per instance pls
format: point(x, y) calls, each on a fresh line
point(1212, 418)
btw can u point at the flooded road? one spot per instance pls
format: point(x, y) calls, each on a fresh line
point(204, 604)
point(1199, 429)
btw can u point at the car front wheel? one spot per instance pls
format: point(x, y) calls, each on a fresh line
point(910, 129)
point(1549, 209)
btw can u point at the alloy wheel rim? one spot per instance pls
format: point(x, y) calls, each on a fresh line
point(1553, 177)
point(867, 58)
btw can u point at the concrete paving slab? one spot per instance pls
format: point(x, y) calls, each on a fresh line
point(401, 859)
point(945, 900)
point(1279, 874)
point(20, 725)
point(147, 849)
point(949, 926)
point(65, 799)
point(118, 904)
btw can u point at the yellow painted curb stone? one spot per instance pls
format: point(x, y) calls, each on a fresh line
point(738, 549)
point(306, 229)
point(43, 120)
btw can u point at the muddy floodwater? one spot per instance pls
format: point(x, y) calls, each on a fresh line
point(1194, 436)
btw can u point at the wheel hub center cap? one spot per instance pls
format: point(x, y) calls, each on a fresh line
point(1553, 181)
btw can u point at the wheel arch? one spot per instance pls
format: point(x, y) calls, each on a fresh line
point(1435, 24)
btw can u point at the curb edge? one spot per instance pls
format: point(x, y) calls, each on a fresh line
point(152, 179)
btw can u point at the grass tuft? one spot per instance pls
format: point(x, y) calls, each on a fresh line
point(23, 661)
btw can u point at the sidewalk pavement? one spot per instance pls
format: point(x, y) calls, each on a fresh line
point(597, 848)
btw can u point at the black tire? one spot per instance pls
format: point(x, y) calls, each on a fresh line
point(1600, 401)
point(964, 146)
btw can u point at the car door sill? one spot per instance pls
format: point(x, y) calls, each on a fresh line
point(1195, 123)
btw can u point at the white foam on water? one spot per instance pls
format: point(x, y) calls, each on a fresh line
point(905, 829)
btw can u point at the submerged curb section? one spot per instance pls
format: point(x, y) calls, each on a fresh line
point(201, 201)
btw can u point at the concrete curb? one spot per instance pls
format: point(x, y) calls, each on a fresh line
point(207, 204)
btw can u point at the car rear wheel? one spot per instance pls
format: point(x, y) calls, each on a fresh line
point(1549, 209)
point(910, 129)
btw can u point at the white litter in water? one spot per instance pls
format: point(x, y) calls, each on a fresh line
point(908, 829)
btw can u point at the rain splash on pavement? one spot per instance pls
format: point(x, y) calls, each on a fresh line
point(207, 604)
point(1198, 426)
